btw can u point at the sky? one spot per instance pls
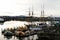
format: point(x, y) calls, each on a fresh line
point(21, 7)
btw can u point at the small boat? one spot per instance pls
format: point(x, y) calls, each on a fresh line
point(37, 27)
point(8, 37)
point(20, 34)
point(3, 31)
point(8, 33)
point(19, 31)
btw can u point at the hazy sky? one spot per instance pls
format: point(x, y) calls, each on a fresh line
point(21, 7)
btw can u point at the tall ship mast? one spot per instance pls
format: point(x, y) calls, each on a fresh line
point(42, 13)
point(42, 10)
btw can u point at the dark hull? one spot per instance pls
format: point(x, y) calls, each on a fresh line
point(49, 36)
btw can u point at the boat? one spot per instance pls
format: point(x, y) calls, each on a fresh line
point(8, 33)
point(37, 27)
point(19, 31)
point(3, 31)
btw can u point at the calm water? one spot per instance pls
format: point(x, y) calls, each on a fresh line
point(12, 24)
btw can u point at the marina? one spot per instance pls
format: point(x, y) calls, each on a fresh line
point(40, 30)
point(29, 19)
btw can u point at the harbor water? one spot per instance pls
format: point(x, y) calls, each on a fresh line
point(12, 24)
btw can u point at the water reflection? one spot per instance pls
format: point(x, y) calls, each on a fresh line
point(15, 24)
point(20, 38)
point(8, 37)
